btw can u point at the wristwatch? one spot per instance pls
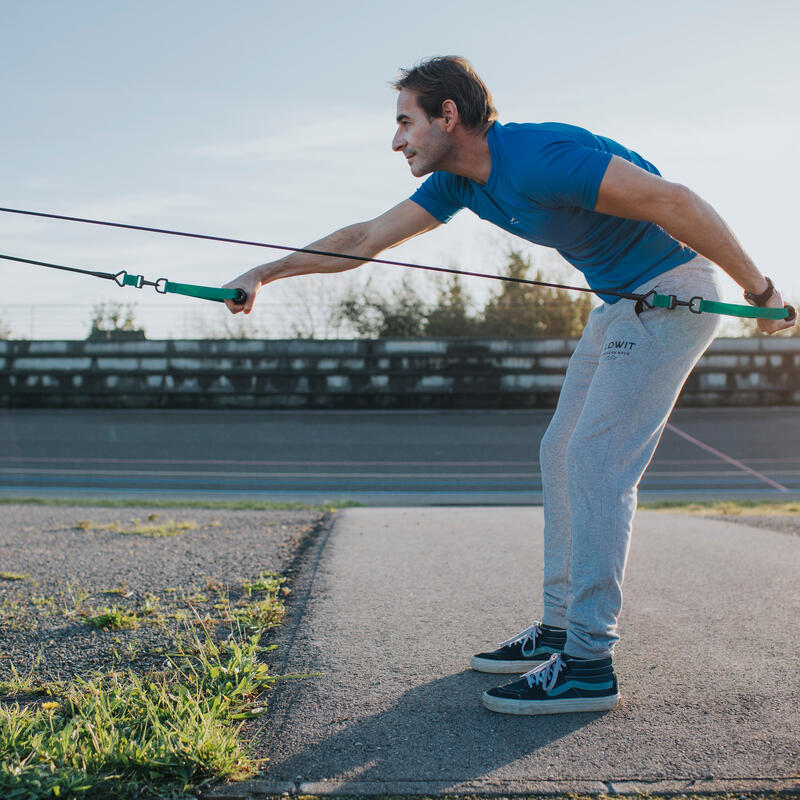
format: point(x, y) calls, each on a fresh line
point(760, 299)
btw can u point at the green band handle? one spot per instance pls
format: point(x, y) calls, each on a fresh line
point(751, 312)
point(698, 305)
point(203, 292)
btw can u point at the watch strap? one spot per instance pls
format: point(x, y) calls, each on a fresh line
point(760, 299)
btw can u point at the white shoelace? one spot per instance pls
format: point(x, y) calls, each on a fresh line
point(546, 674)
point(527, 636)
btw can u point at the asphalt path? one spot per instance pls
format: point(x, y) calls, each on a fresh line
point(393, 602)
point(377, 458)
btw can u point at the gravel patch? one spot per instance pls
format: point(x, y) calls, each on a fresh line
point(61, 565)
point(783, 523)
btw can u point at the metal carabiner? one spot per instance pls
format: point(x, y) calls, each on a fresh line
point(695, 305)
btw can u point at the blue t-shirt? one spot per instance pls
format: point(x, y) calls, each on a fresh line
point(543, 187)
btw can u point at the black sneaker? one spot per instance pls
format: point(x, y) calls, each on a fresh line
point(527, 649)
point(560, 685)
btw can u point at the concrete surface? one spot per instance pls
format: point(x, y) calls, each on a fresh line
point(393, 601)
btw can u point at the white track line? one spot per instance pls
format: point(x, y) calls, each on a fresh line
point(727, 458)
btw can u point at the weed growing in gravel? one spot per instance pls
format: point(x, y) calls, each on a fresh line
point(265, 582)
point(160, 735)
point(267, 609)
point(121, 591)
point(13, 615)
point(152, 528)
point(168, 527)
point(13, 576)
point(72, 599)
point(151, 606)
point(114, 617)
point(30, 683)
point(125, 736)
point(18, 684)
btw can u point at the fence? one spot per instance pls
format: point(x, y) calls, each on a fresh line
point(352, 374)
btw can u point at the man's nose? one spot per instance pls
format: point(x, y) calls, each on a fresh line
point(398, 143)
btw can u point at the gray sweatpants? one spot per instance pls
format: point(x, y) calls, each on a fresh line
point(621, 384)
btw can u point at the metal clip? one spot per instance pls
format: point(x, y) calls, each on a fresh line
point(694, 305)
point(161, 285)
point(644, 302)
point(123, 278)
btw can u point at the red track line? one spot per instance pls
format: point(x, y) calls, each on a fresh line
point(727, 458)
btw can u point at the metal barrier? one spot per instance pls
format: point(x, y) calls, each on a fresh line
point(352, 374)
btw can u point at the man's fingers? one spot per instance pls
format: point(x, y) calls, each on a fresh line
point(247, 296)
point(249, 300)
point(771, 327)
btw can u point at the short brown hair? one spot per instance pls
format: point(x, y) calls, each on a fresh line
point(449, 78)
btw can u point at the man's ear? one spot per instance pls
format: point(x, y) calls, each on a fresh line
point(450, 114)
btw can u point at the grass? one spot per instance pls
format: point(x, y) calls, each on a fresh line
point(727, 507)
point(113, 618)
point(154, 528)
point(266, 609)
point(13, 576)
point(223, 505)
point(163, 734)
point(122, 736)
point(26, 684)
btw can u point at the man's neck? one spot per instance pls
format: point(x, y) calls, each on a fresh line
point(470, 157)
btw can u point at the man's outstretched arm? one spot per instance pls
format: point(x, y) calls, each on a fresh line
point(367, 239)
point(631, 192)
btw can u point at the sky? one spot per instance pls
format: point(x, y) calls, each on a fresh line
point(272, 121)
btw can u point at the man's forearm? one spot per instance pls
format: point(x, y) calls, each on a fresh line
point(352, 240)
point(695, 223)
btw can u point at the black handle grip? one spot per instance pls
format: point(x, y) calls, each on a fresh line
point(792, 313)
point(241, 296)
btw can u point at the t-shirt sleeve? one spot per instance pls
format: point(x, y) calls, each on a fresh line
point(565, 173)
point(439, 196)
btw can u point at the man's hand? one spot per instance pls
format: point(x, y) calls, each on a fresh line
point(771, 326)
point(250, 284)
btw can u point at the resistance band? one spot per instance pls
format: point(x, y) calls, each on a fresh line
point(650, 300)
point(161, 285)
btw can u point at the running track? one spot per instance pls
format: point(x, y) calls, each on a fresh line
point(377, 458)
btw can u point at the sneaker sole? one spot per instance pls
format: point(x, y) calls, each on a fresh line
point(530, 707)
point(503, 667)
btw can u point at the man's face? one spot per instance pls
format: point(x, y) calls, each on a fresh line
point(423, 142)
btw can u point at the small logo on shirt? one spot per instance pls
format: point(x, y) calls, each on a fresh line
point(514, 221)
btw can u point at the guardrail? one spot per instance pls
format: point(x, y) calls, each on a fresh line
point(351, 374)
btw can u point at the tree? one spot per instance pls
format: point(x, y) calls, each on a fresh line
point(517, 310)
point(114, 321)
point(514, 311)
point(373, 315)
point(450, 316)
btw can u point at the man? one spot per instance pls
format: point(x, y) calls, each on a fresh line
point(611, 215)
